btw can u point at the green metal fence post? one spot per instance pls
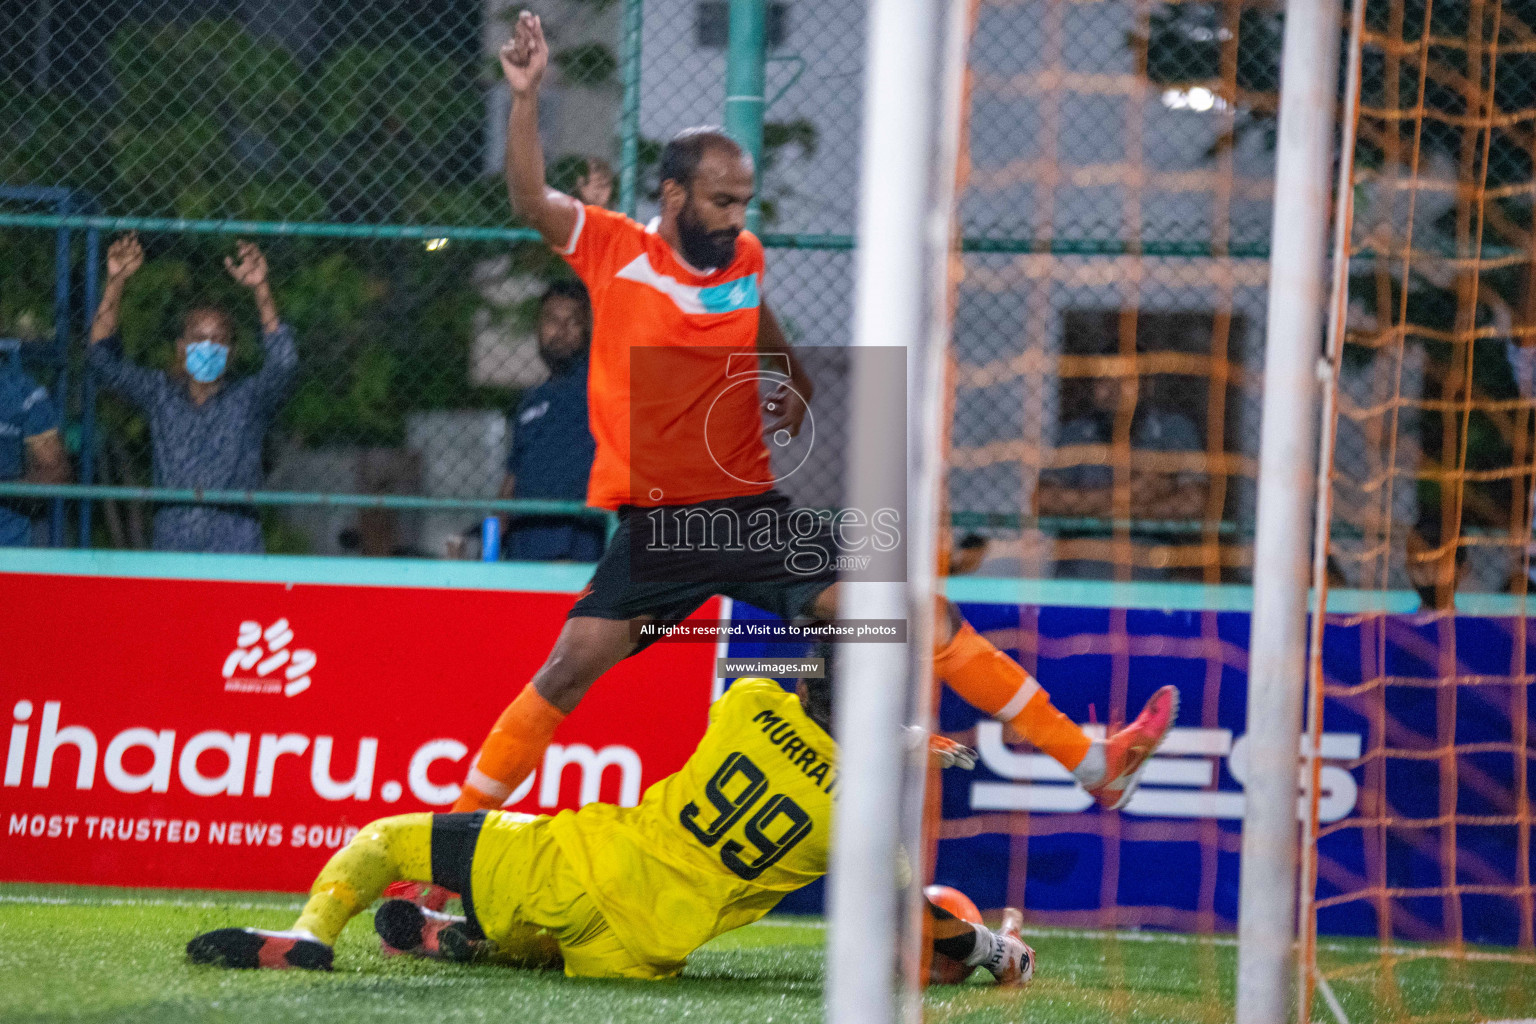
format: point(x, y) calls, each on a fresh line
point(629, 116)
point(745, 59)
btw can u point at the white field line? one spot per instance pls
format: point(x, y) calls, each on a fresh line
point(1339, 1016)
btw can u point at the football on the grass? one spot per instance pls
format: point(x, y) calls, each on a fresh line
point(944, 970)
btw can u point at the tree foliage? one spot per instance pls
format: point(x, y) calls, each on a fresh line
point(205, 119)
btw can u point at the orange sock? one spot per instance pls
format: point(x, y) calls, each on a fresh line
point(511, 751)
point(991, 681)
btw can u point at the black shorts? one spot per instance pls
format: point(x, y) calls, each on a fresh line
point(662, 563)
point(453, 855)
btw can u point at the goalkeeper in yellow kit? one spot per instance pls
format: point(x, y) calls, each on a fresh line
point(612, 891)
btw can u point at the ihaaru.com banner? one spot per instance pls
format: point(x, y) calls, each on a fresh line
point(234, 735)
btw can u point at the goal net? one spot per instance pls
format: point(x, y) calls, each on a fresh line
point(1106, 372)
point(1429, 502)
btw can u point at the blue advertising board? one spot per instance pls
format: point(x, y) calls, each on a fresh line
point(1422, 806)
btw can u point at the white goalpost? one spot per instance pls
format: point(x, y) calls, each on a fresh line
point(1282, 546)
point(911, 129)
point(915, 55)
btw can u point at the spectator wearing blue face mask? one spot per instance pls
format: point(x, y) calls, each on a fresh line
point(205, 430)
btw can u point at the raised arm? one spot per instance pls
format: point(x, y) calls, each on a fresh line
point(280, 356)
point(115, 372)
point(251, 271)
point(523, 60)
point(124, 257)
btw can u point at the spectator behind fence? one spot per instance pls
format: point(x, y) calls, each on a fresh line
point(594, 185)
point(552, 447)
point(1087, 489)
point(205, 430)
point(968, 554)
point(30, 447)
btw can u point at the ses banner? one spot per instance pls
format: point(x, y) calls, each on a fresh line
point(1017, 831)
point(197, 733)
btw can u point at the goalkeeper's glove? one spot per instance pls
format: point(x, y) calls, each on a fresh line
point(945, 751)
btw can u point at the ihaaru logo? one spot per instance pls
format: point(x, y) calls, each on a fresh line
point(263, 661)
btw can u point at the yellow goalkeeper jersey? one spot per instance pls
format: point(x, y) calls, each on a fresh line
point(717, 844)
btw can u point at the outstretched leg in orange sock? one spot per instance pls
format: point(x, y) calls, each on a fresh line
point(587, 647)
point(992, 682)
point(511, 752)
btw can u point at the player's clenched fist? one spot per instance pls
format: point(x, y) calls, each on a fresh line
point(525, 56)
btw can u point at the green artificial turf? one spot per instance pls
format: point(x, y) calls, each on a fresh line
point(96, 954)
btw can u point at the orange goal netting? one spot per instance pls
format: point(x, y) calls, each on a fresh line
point(1429, 495)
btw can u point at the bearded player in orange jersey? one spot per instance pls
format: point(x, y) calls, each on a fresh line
point(672, 303)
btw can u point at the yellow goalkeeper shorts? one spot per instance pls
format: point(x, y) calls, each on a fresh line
point(519, 879)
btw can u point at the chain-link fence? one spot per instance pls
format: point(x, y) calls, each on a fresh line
point(1115, 216)
point(1108, 334)
point(1432, 481)
point(333, 135)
